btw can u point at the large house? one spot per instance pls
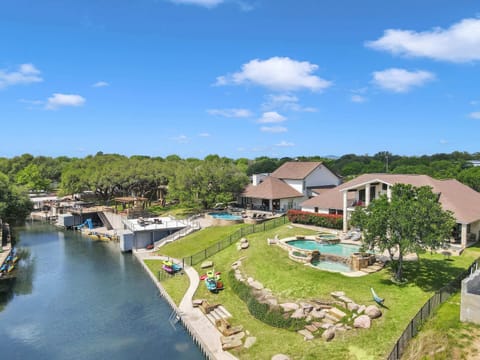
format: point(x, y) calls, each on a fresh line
point(463, 201)
point(288, 186)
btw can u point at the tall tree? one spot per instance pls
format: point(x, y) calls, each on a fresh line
point(410, 222)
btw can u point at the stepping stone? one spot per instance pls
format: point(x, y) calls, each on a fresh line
point(232, 345)
point(256, 285)
point(307, 335)
point(298, 314)
point(317, 314)
point(363, 322)
point(249, 341)
point(206, 264)
point(280, 357)
point(329, 334)
point(231, 338)
point(312, 328)
point(339, 314)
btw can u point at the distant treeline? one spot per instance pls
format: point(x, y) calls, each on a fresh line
point(204, 182)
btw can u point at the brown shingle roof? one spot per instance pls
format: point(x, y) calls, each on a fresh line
point(462, 200)
point(295, 169)
point(271, 188)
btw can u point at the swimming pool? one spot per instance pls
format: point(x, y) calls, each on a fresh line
point(225, 216)
point(344, 250)
point(333, 266)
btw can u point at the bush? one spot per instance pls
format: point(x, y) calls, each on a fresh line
point(263, 312)
point(324, 220)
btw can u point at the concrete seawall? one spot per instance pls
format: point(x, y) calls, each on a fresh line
point(203, 332)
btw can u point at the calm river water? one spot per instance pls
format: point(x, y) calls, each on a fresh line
point(76, 298)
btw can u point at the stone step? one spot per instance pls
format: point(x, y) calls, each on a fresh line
point(210, 318)
point(215, 315)
point(224, 312)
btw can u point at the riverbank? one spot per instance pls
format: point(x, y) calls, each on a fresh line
point(204, 334)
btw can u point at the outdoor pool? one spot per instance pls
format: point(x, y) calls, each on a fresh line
point(225, 216)
point(331, 266)
point(344, 250)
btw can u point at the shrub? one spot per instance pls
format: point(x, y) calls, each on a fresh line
point(263, 312)
point(324, 220)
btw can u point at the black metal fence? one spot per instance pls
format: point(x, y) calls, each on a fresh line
point(222, 244)
point(424, 313)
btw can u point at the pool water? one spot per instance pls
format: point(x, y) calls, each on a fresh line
point(225, 216)
point(344, 250)
point(331, 266)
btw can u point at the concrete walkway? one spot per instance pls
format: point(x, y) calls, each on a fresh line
point(193, 318)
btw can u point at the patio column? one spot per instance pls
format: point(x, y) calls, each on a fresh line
point(345, 225)
point(270, 204)
point(463, 238)
point(389, 193)
point(367, 194)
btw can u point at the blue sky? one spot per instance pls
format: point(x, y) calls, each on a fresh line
point(239, 78)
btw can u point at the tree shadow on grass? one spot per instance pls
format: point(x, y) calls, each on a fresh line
point(429, 274)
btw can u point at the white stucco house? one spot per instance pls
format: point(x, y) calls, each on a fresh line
point(288, 186)
point(462, 200)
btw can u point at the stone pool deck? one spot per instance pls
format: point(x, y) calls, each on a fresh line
point(204, 333)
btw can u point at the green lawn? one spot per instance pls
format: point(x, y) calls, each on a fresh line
point(176, 286)
point(292, 281)
point(198, 241)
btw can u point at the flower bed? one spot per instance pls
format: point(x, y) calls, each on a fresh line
point(324, 220)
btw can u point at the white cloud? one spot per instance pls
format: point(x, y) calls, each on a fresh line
point(182, 139)
point(26, 74)
point(273, 129)
point(459, 43)
point(271, 117)
point(204, 134)
point(204, 3)
point(31, 102)
point(231, 113)
point(59, 100)
point(443, 141)
point(358, 98)
point(401, 80)
point(474, 115)
point(100, 84)
point(277, 73)
point(285, 144)
point(285, 102)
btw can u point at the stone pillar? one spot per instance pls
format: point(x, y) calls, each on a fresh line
point(367, 194)
point(389, 193)
point(270, 204)
point(464, 236)
point(345, 225)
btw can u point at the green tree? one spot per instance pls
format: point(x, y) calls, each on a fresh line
point(470, 177)
point(411, 222)
point(31, 177)
point(15, 205)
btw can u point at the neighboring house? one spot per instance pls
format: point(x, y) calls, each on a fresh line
point(288, 186)
point(462, 200)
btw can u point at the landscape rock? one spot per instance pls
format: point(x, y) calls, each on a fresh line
point(337, 294)
point(272, 301)
point(280, 357)
point(345, 299)
point(306, 307)
point(352, 306)
point(298, 314)
point(326, 325)
point(329, 334)
point(337, 313)
point(373, 312)
point(232, 345)
point(312, 328)
point(236, 265)
point(363, 322)
point(249, 341)
point(361, 309)
point(256, 285)
point(289, 306)
point(307, 335)
point(244, 245)
point(317, 324)
point(206, 264)
point(232, 338)
point(243, 240)
point(317, 314)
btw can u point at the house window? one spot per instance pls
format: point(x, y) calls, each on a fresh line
point(315, 209)
point(384, 187)
point(372, 193)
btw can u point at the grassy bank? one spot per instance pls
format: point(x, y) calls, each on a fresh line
point(291, 281)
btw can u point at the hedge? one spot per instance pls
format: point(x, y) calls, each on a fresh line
point(324, 220)
point(261, 311)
